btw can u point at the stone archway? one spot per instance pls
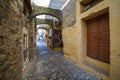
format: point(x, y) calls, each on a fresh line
point(38, 10)
point(45, 21)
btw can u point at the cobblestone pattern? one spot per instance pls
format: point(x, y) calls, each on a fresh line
point(53, 66)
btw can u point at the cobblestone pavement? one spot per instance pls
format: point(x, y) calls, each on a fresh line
point(52, 65)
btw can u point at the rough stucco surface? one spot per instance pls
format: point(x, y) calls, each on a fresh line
point(70, 46)
point(114, 18)
point(69, 34)
point(69, 14)
point(11, 23)
point(115, 39)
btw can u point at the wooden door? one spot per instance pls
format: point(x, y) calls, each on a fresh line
point(92, 38)
point(103, 38)
point(98, 39)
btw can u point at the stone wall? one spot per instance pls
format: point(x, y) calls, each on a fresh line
point(69, 14)
point(112, 69)
point(32, 40)
point(12, 20)
point(75, 39)
point(69, 42)
point(69, 31)
point(44, 21)
point(108, 71)
point(39, 10)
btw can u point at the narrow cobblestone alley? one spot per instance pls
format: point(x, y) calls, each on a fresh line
point(51, 65)
point(59, 40)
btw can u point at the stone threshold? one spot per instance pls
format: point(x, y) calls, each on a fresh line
point(99, 70)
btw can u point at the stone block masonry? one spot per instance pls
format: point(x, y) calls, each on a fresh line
point(69, 31)
point(69, 14)
point(11, 23)
point(75, 38)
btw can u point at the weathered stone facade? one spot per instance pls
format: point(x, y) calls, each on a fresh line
point(12, 21)
point(17, 36)
point(44, 21)
point(69, 30)
point(69, 42)
point(32, 40)
point(75, 39)
point(69, 14)
point(39, 10)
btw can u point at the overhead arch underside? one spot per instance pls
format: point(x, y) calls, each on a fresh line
point(44, 21)
point(38, 10)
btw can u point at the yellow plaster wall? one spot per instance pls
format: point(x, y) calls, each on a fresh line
point(75, 39)
point(115, 39)
point(113, 7)
point(69, 42)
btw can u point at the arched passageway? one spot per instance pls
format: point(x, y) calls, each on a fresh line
point(88, 29)
point(38, 10)
point(44, 21)
point(50, 62)
point(53, 31)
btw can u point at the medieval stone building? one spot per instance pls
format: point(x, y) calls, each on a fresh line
point(80, 41)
